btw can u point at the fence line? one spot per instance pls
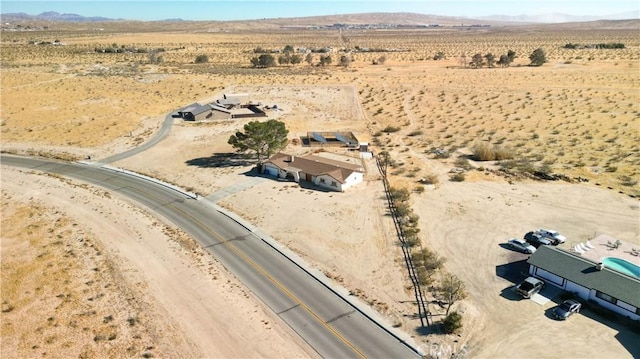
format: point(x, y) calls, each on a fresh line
point(423, 311)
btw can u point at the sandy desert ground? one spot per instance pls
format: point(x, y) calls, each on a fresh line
point(577, 115)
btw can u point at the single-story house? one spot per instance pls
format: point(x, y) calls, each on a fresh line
point(323, 172)
point(197, 113)
point(201, 113)
point(588, 279)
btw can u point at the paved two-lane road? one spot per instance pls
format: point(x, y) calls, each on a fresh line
point(333, 327)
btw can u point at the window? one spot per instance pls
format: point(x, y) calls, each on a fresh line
point(606, 297)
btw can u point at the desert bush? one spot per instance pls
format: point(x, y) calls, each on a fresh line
point(462, 162)
point(429, 179)
point(452, 322)
point(399, 194)
point(483, 152)
point(201, 59)
point(458, 177)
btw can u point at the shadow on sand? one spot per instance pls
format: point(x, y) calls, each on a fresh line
point(221, 160)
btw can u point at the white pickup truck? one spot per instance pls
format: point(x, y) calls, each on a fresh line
point(554, 236)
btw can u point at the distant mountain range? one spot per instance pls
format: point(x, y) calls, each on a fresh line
point(545, 18)
point(53, 16)
point(559, 18)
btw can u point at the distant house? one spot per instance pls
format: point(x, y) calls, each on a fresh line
point(197, 113)
point(234, 99)
point(589, 280)
point(323, 172)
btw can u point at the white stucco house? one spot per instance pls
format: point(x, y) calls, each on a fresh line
point(588, 279)
point(322, 172)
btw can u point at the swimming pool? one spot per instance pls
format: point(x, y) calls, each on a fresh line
point(622, 266)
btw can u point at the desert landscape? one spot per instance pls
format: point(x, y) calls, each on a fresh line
point(575, 117)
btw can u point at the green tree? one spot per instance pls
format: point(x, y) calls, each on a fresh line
point(452, 289)
point(452, 323)
point(477, 61)
point(263, 138)
point(264, 60)
point(504, 61)
point(427, 263)
point(309, 59)
point(201, 59)
point(537, 57)
point(295, 59)
point(288, 49)
point(284, 59)
point(325, 60)
point(345, 60)
point(491, 59)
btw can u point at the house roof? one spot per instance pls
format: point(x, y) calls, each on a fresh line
point(583, 271)
point(228, 101)
point(315, 166)
point(199, 109)
point(217, 107)
point(189, 108)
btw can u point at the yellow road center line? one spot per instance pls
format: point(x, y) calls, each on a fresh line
point(269, 276)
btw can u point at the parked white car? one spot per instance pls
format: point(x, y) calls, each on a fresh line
point(521, 245)
point(556, 237)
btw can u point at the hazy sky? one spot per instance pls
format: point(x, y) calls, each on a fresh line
point(240, 9)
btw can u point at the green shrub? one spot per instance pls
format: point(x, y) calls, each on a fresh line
point(201, 59)
point(452, 322)
point(390, 129)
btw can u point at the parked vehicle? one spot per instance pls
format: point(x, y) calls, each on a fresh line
point(529, 287)
point(536, 239)
point(521, 245)
point(554, 236)
point(568, 307)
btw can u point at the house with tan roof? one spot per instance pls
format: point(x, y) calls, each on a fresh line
point(322, 172)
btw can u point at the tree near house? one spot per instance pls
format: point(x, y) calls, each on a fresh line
point(537, 57)
point(263, 138)
point(288, 49)
point(452, 289)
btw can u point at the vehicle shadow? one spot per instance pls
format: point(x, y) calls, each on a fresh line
point(511, 294)
point(221, 160)
point(549, 313)
point(508, 247)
